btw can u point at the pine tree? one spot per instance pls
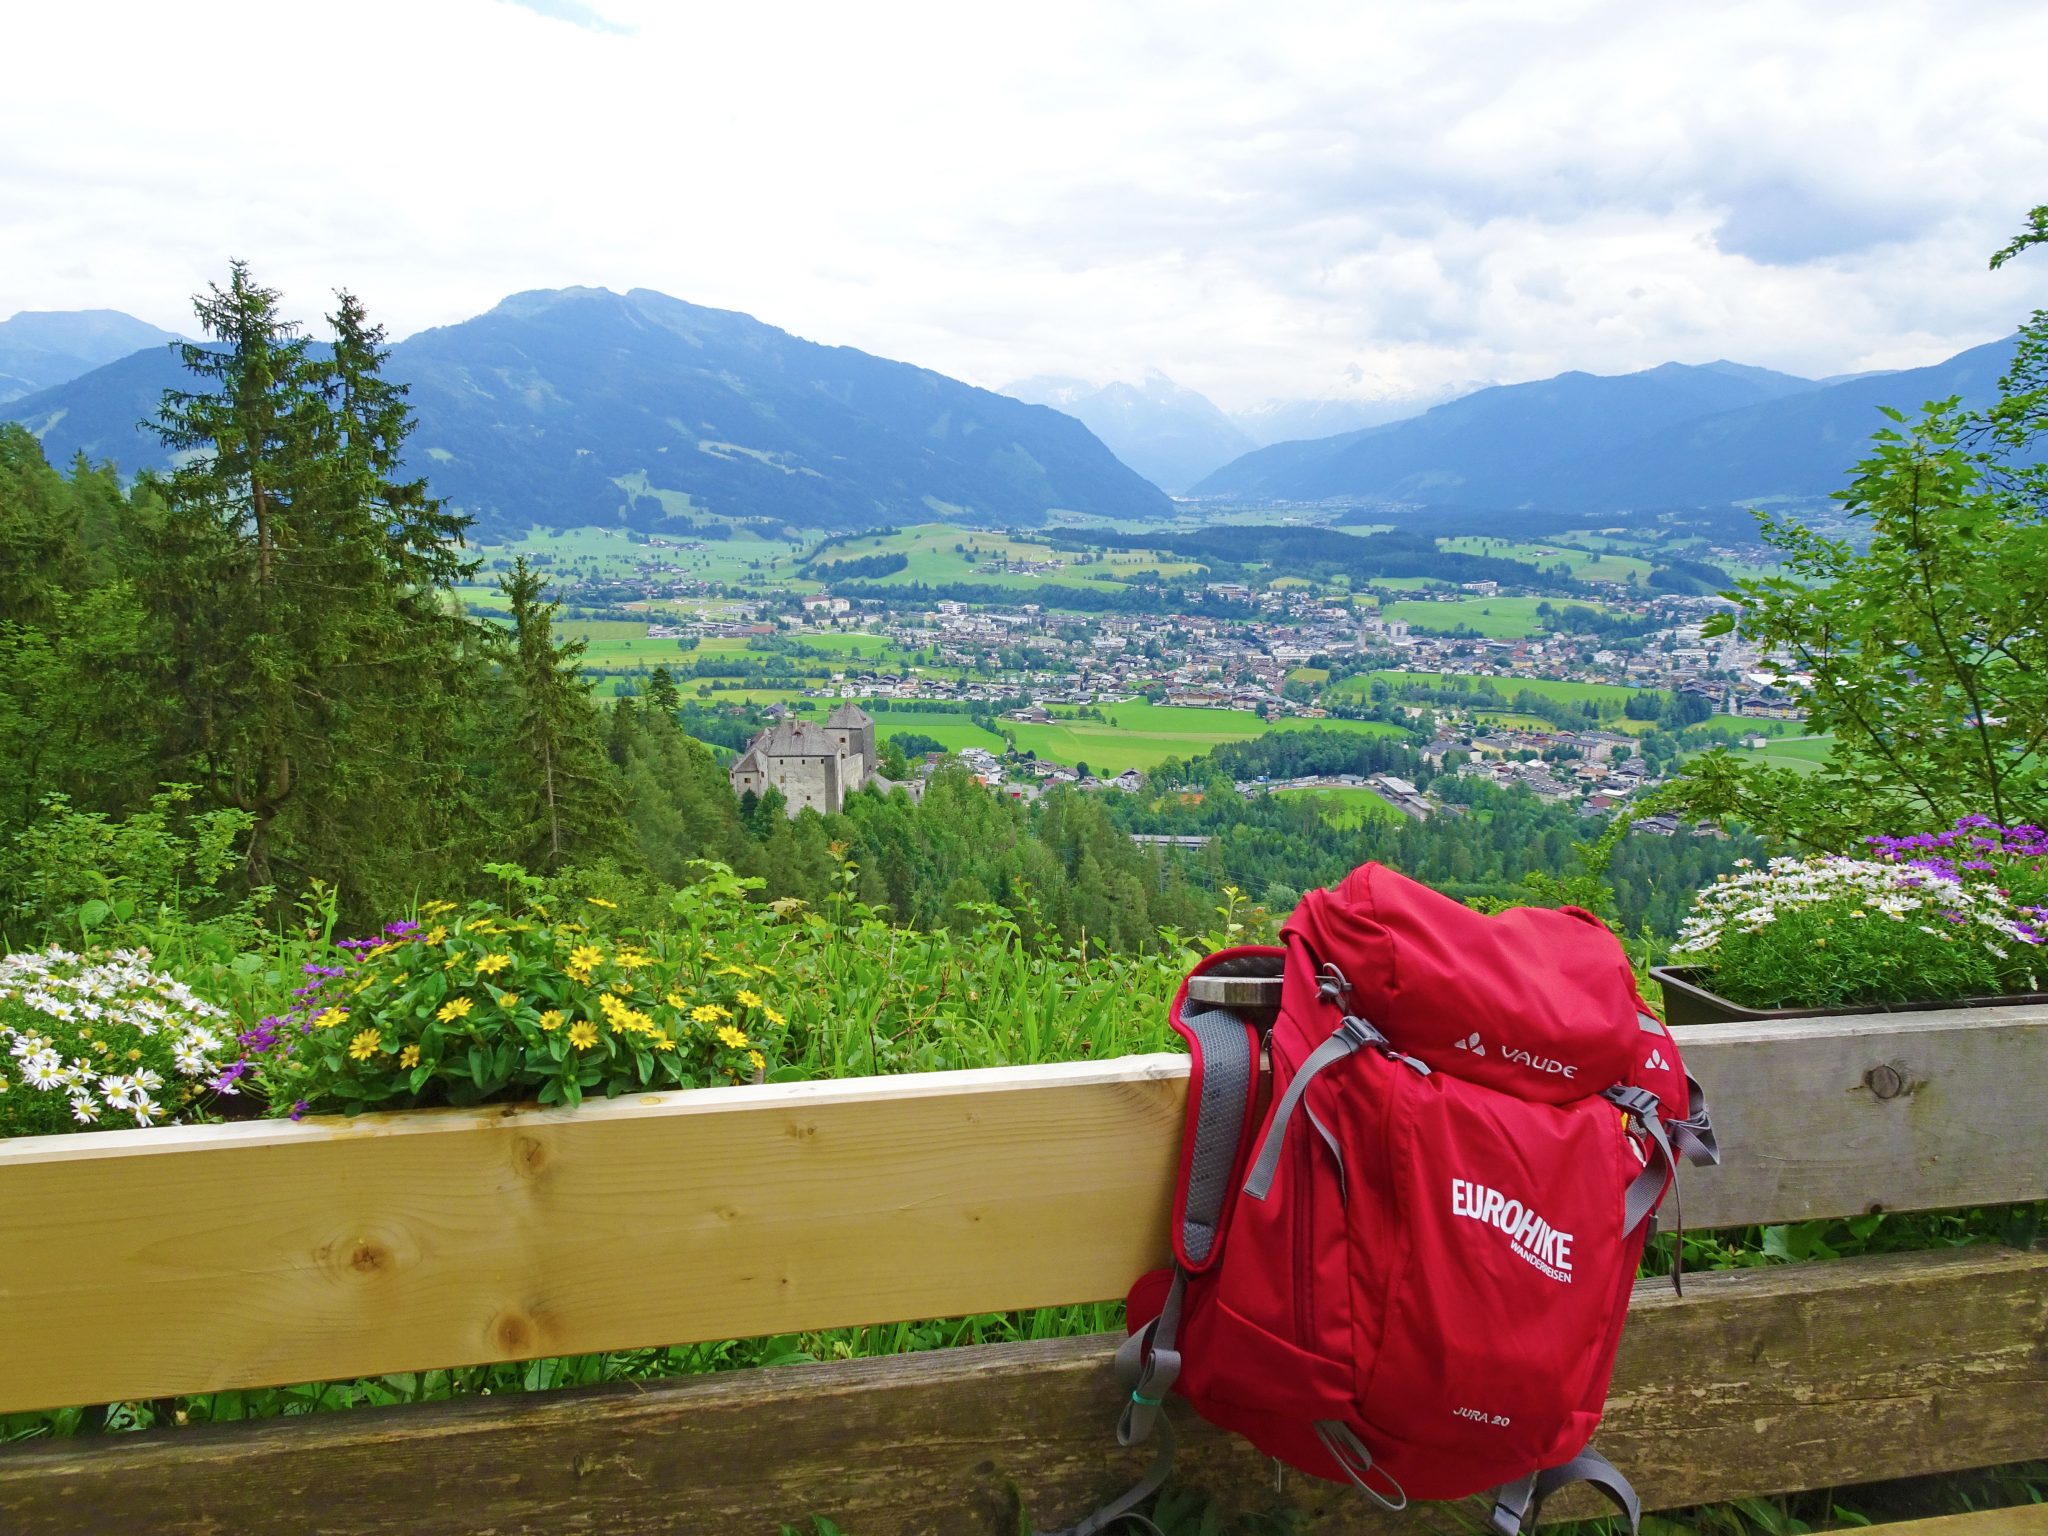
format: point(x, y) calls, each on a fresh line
point(324, 681)
point(563, 790)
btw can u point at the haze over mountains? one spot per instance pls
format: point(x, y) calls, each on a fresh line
point(43, 348)
point(580, 406)
point(1174, 436)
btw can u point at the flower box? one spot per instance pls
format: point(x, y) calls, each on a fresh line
point(1686, 1001)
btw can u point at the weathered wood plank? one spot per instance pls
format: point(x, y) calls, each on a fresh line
point(2019, 1520)
point(150, 1263)
point(1757, 1381)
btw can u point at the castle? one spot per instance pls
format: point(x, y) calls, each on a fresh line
point(813, 765)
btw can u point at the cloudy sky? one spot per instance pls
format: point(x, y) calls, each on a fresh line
point(1264, 200)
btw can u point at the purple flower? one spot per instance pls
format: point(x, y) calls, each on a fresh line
point(299, 1110)
point(225, 1081)
point(261, 1038)
point(404, 928)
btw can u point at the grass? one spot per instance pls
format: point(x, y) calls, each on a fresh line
point(1586, 565)
point(1143, 736)
point(1544, 687)
point(1345, 805)
point(929, 549)
point(1497, 618)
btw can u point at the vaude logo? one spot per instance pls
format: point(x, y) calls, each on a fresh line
point(1528, 1234)
point(1541, 1063)
point(1471, 1043)
point(1657, 1063)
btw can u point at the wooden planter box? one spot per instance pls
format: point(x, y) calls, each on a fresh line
point(1687, 1002)
point(139, 1264)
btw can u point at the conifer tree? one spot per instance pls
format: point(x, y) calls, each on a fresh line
point(563, 791)
point(323, 681)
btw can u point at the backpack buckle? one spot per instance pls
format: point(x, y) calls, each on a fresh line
point(1332, 985)
point(1640, 1102)
point(1359, 1033)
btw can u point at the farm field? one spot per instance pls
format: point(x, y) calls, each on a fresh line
point(929, 549)
point(1587, 565)
point(1507, 687)
point(1145, 735)
point(1497, 618)
point(1346, 806)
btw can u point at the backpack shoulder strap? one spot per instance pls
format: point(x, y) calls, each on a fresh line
point(1223, 1090)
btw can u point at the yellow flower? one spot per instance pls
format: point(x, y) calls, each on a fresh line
point(435, 908)
point(490, 965)
point(434, 935)
point(583, 1034)
point(705, 1013)
point(634, 959)
point(455, 1008)
point(365, 1044)
point(773, 1016)
point(677, 1001)
point(362, 986)
point(409, 1057)
point(623, 988)
point(760, 1062)
point(599, 901)
point(508, 1000)
point(327, 1018)
point(730, 970)
point(749, 999)
point(585, 957)
point(551, 1020)
point(661, 1042)
point(735, 1038)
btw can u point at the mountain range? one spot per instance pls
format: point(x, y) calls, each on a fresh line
point(1174, 436)
point(577, 406)
point(1674, 436)
point(43, 348)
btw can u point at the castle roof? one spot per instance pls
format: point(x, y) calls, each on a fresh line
point(750, 762)
point(795, 738)
point(849, 714)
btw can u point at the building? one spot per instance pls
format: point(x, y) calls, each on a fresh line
point(812, 765)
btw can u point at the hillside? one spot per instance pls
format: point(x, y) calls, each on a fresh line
point(40, 349)
point(1171, 435)
point(1670, 437)
point(579, 406)
point(1477, 450)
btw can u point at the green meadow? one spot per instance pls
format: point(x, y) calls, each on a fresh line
point(1497, 618)
point(1346, 806)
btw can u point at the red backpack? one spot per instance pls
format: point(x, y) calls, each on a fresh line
point(1411, 1272)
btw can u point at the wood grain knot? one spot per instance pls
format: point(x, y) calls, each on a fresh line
point(514, 1334)
point(367, 1258)
point(800, 1130)
point(1884, 1082)
point(529, 1156)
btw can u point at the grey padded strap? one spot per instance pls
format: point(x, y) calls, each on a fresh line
point(1349, 1035)
point(1518, 1505)
point(1219, 1114)
point(1511, 1505)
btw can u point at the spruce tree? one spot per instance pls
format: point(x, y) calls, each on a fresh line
point(322, 677)
point(563, 793)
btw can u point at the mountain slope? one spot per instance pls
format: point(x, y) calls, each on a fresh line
point(1170, 435)
point(581, 406)
point(1282, 421)
point(1479, 449)
point(1804, 445)
point(40, 349)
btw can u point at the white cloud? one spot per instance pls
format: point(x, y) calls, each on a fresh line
point(1261, 200)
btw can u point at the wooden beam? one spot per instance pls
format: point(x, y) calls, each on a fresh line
point(2016, 1520)
point(190, 1260)
point(1757, 1381)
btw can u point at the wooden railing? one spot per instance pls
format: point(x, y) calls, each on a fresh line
point(148, 1264)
